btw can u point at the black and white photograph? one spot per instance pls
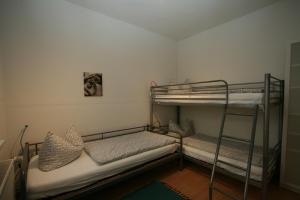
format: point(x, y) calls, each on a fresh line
point(92, 84)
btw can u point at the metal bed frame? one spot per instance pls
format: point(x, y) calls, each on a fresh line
point(270, 85)
point(33, 149)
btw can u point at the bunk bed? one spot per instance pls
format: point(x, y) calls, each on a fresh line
point(205, 150)
point(71, 182)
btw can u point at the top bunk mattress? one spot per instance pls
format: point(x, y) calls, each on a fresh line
point(244, 98)
point(215, 92)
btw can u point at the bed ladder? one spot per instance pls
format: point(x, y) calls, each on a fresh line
point(250, 142)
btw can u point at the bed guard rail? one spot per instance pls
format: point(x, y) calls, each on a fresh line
point(198, 91)
point(194, 88)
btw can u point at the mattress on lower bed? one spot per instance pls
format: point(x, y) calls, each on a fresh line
point(233, 98)
point(203, 148)
point(116, 148)
point(82, 172)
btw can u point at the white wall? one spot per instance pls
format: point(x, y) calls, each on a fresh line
point(241, 50)
point(3, 149)
point(49, 44)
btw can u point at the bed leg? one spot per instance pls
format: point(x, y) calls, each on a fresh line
point(180, 154)
point(181, 163)
point(210, 193)
point(266, 131)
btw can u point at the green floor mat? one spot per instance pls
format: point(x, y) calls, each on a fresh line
point(154, 191)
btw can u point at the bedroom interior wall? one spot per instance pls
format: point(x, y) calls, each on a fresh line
point(47, 47)
point(48, 44)
point(3, 151)
point(241, 50)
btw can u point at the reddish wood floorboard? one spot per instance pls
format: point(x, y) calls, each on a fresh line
point(192, 181)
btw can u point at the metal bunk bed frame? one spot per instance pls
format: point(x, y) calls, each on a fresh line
point(223, 87)
point(33, 149)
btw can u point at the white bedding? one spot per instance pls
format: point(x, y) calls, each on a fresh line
point(230, 149)
point(233, 98)
point(202, 147)
point(83, 172)
point(116, 148)
point(256, 171)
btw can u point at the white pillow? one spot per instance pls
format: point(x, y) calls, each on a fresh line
point(57, 151)
point(185, 130)
point(174, 127)
point(188, 127)
point(74, 138)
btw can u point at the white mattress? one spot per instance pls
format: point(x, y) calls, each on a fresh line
point(83, 172)
point(233, 98)
point(202, 148)
point(230, 149)
point(256, 171)
point(116, 148)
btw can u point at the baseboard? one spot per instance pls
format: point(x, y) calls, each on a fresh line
point(290, 186)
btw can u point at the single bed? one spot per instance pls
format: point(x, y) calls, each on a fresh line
point(85, 172)
point(72, 176)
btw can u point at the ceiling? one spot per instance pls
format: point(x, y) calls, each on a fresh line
point(177, 19)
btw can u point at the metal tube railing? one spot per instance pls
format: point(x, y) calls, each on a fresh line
point(266, 135)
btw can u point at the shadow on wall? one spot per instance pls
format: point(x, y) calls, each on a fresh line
point(207, 120)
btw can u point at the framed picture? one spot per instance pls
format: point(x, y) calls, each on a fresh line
point(92, 84)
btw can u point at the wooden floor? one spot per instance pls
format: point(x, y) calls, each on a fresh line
point(192, 181)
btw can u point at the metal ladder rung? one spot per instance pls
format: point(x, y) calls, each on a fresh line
point(240, 114)
point(231, 165)
point(236, 139)
point(224, 193)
